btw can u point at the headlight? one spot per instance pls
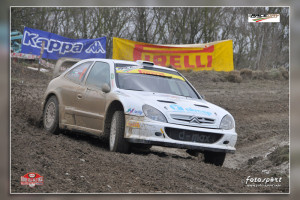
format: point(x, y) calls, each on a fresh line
point(153, 113)
point(227, 123)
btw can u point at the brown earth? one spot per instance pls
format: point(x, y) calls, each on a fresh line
point(76, 163)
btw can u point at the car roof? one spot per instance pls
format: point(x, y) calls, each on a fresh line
point(129, 62)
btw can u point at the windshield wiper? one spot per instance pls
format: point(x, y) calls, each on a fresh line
point(183, 96)
point(133, 89)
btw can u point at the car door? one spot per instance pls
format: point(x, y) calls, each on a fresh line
point(71, 82)
point(93, 100)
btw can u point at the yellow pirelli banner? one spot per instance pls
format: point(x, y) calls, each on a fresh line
point(217, 56)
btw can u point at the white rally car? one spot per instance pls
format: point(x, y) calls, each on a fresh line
point(138, 102)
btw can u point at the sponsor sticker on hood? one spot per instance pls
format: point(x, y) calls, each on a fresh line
point(178, 108)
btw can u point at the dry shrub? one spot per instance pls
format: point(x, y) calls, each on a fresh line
point(234, 76)
point(204, 76)
point(206, 72)
point(35, 65)
point(188, 70)
point(257, 75)
point(246, 73)
point(284, 72)
point(239, 79)
point(215, 76)
point(273, 74)
point(219, 76)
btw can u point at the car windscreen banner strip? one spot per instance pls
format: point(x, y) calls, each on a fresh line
point(57, 46)
point(216, 56)
point(150, 72)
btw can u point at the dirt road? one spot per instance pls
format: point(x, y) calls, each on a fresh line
point(77, 163)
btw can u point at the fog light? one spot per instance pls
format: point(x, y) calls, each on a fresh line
point(158, 133)
point(226, 142)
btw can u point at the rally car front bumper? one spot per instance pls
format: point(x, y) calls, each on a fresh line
point(146, 131)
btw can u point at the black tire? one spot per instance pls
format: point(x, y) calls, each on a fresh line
point(117, 142)
point(141, 148)
point(192, 152)
point(215, 158)
point(51, 116)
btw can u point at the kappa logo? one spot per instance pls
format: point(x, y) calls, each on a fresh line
point(96, 47)
point(51, 45)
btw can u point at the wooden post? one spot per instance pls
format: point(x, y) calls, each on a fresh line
point(41, 54)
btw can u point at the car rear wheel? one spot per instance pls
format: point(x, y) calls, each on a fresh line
point(216, 158)
point(117, 142)
point(51, 116)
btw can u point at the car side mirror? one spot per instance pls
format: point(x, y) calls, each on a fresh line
point(105, 88)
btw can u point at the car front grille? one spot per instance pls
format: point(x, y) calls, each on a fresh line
point(192, 119)
point(192, 136)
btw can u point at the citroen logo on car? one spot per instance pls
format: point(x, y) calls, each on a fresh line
point(195, 120)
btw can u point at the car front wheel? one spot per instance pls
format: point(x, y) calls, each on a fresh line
point(117, 142)
point(215, 158)
point(51, 116)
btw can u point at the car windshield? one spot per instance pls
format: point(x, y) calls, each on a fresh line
point(153, 80)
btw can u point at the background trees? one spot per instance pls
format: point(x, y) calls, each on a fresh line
point(256, 45)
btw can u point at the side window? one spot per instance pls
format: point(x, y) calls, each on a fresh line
point(99, 75)
point(78, 73)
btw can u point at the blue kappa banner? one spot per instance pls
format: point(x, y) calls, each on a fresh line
point(57, 46)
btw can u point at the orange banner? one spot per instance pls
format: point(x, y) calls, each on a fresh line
point(216, 56)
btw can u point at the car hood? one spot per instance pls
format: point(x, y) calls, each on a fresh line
point(177, 109)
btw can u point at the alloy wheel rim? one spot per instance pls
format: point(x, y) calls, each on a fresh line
point(50, 115)
point(113, 131)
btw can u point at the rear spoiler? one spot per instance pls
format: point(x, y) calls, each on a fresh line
point(62, 61)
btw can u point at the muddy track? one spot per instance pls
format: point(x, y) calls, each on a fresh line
point(73, 162)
